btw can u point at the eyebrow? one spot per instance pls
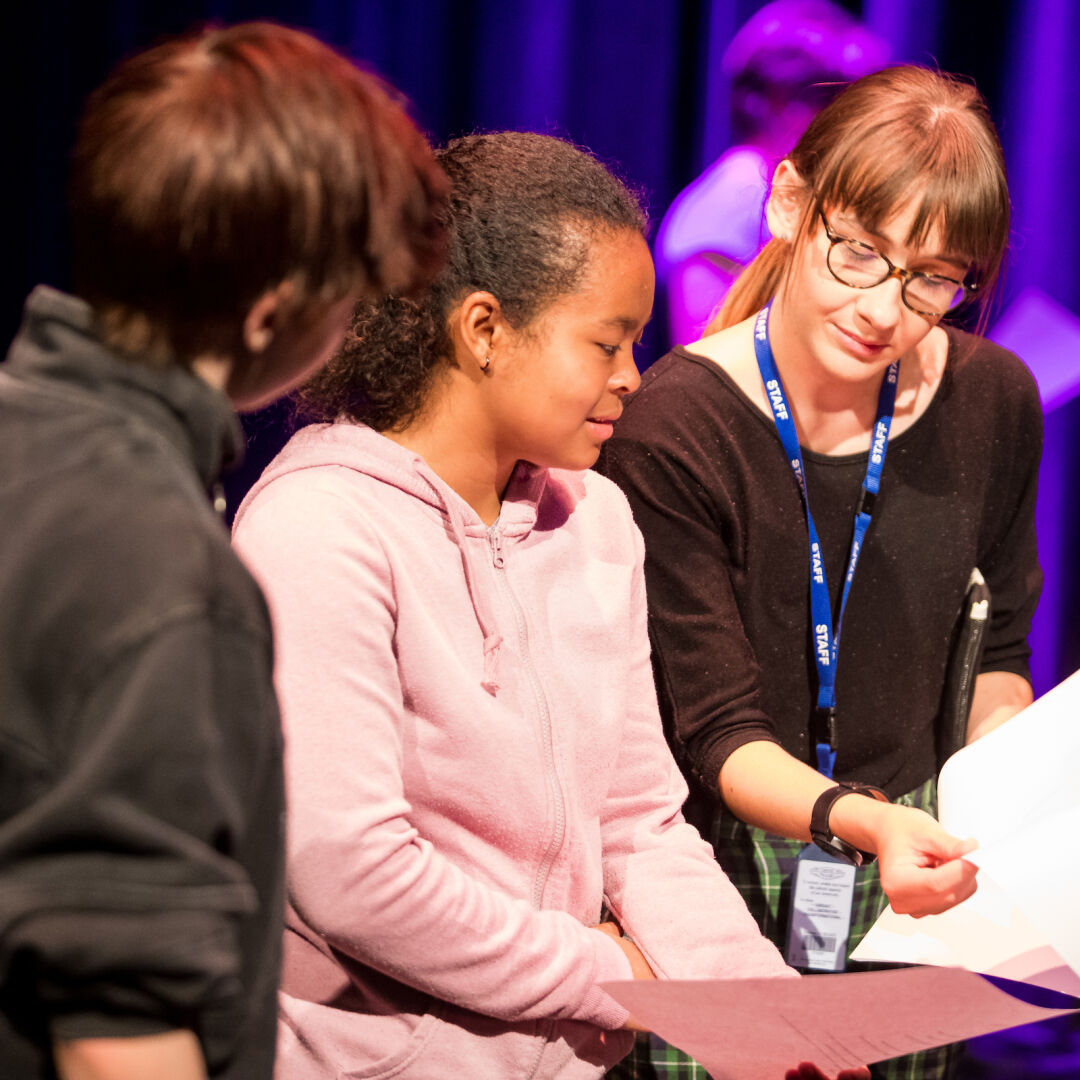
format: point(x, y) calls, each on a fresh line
point(625, 323)
point(858, 226)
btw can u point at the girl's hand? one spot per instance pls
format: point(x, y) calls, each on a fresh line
point(639, 966)
point(922, 869)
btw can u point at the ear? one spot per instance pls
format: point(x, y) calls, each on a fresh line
point(265, 316)
point(787, 197)
point(478, 327)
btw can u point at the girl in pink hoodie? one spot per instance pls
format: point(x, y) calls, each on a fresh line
point(475, 761)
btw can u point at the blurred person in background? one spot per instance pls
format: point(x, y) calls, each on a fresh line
point(785, 63)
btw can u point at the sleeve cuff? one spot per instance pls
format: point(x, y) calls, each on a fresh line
point(67, 1027)
point(612, 965)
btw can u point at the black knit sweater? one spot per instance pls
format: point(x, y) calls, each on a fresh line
point(727, 560)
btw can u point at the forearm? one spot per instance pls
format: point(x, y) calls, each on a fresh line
point(763, 785)
point(172, 1054)
point(660, 878)
point(999, 696)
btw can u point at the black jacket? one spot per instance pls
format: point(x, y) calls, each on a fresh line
point(140, 752)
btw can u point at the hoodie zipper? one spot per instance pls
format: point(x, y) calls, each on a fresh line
point(544, 870)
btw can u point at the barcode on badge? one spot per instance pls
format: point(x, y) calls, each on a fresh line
point(814, 942)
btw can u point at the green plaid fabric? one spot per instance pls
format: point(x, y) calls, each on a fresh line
point(760, 866)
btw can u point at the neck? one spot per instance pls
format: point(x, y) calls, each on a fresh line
point(832, 416)
point(213, 370)
point(453, 436)
point(134, 335)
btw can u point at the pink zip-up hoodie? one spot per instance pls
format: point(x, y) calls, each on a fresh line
point(475, 764)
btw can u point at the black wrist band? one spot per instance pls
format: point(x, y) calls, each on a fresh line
point(825, 838)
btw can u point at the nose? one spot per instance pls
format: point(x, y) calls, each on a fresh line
point(626, 378)
point(881, 305)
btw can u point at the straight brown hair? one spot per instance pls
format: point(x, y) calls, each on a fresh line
point(214, 166)
point(895, 135)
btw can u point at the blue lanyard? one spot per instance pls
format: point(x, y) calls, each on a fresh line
point(826, 640)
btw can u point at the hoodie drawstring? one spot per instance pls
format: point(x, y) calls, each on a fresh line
point(492, 639)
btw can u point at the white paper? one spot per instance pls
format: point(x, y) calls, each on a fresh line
point(756, 1029)
point(1016, 792)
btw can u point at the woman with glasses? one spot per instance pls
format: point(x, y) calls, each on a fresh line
point(834, 456)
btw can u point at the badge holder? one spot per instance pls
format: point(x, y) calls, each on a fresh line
point(822, 893)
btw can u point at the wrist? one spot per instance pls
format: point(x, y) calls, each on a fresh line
point(639, 966)
point(846, 821)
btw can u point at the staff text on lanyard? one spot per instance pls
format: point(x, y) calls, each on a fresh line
point(826, 638)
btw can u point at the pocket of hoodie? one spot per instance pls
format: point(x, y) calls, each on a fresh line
point(404, 1055)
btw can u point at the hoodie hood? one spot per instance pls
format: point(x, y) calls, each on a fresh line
point(356, 446)
point(59, 341)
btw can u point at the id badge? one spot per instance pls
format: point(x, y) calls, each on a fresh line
point(822, 892)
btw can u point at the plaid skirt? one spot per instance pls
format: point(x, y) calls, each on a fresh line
point(760, 866)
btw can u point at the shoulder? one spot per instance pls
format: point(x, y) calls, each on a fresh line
point(696, 403)
point(114, 554)
point(720, 211)
point(341, 511)
point(987, 410)
point(606, 497)
point(976, 358)
point(587, 493)
point(132, 511)
point(677, 390)
point(316, 519)
point(329, 482)
point(989, 378)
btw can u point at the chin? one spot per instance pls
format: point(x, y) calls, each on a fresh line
point(843, 365)
point(586, 461)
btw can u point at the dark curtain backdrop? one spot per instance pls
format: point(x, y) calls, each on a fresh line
point(638, 82)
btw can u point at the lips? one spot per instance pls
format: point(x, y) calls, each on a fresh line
point(869, 348)
point(602, 427)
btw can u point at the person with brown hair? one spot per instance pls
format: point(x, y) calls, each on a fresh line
point(833, 452)
point(233, 193)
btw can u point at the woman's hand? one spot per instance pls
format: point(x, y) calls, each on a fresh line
point(922, 869)
point(639, 966)
point(808, 1071)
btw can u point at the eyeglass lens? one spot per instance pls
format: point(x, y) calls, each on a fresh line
point(861, 267)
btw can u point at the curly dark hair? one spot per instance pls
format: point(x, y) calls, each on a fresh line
point(513, 196)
